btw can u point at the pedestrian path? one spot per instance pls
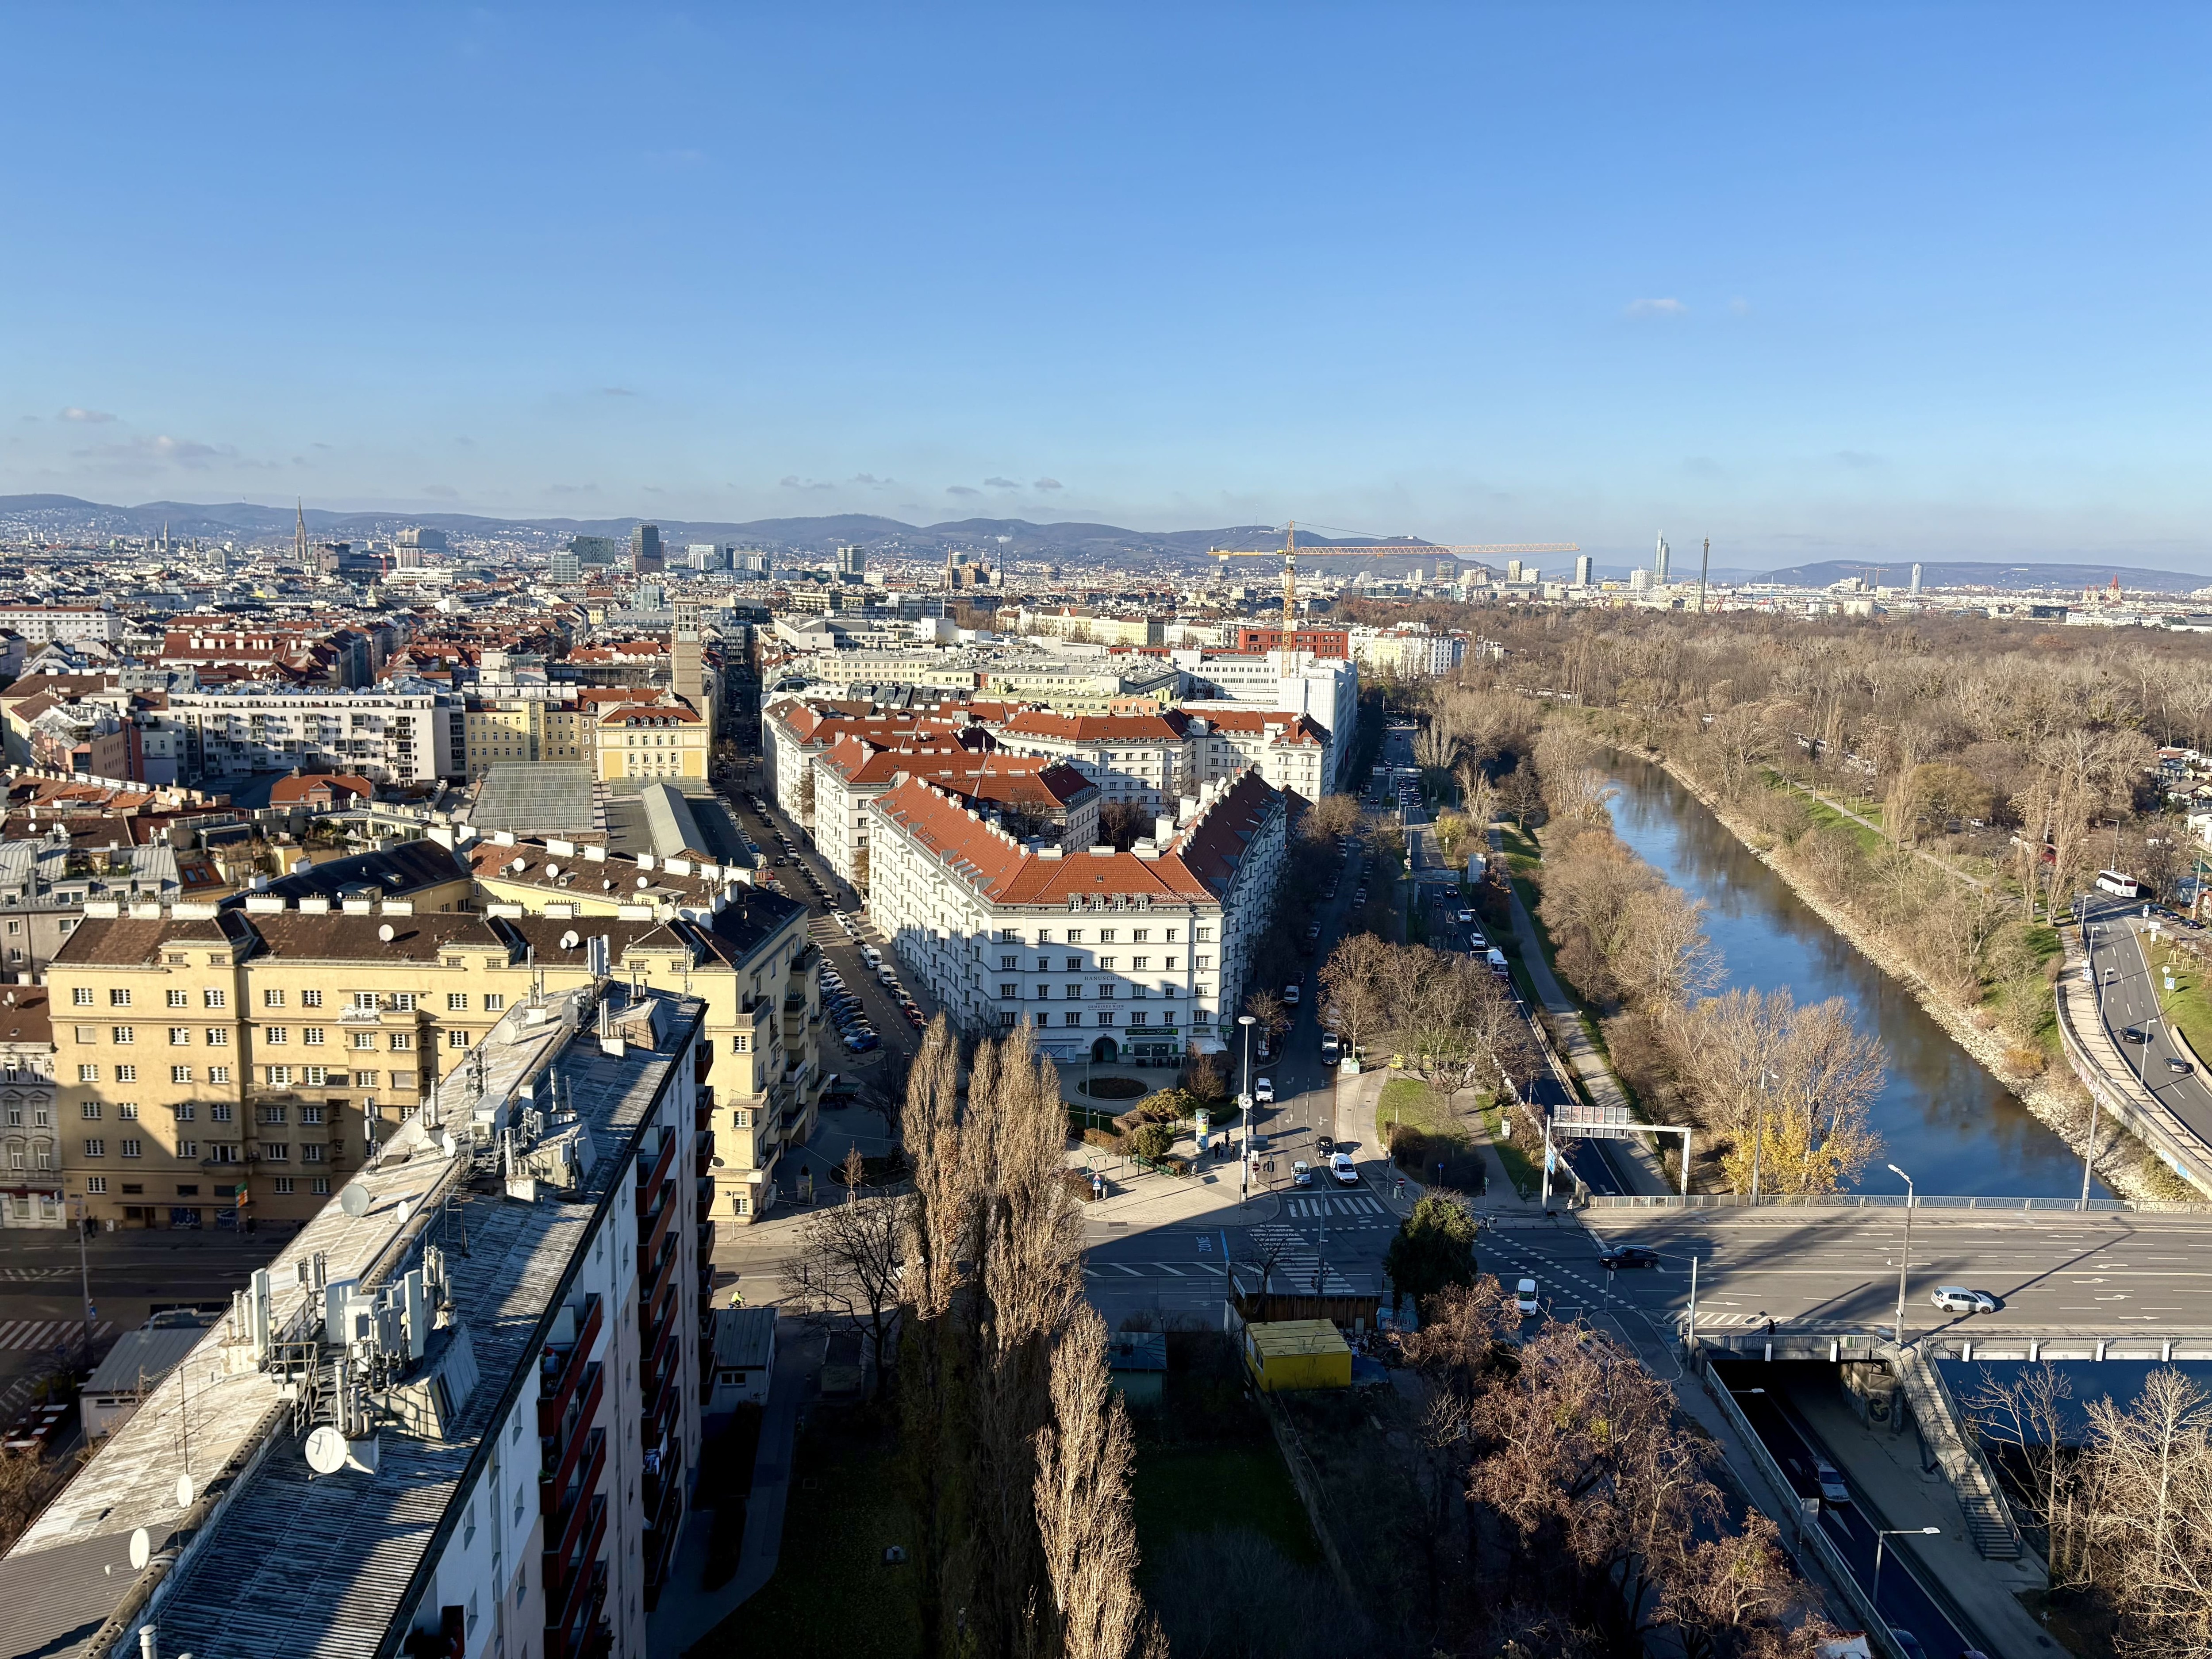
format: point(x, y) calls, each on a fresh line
point(28, 1335)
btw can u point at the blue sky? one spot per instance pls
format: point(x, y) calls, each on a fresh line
point(1816, 282)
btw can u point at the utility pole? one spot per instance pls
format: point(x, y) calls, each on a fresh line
point(1244, 1161)
point(1704, 565)
point(1904, 1261)
point(84, 1276)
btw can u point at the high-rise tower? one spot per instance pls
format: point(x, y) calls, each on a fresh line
point(1659, 563)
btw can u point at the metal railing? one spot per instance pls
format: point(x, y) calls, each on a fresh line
point(1867, 1201)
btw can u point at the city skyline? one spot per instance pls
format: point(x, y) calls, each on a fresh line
point(1572, 276)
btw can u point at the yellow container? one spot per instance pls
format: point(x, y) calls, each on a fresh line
point(1297, 1353)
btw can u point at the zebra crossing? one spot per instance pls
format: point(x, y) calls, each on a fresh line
point(1293, 1262)
point(1373, 1210)
point(29, 1335)
point(36, 1275)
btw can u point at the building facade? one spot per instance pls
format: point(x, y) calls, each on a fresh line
point(396, 735)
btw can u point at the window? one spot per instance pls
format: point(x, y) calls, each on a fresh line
point(310, 1115)
point(126, 1074)
point(181, 998)
point(269, 1115)
point(133, 1148)
point(92, 1109)
point(312, 1035)
point(95, 1149)
point(1202, 934)
point(1201, 961)
point(1010, 990)
point(311, 1152)
point(1139, 964)
point(320, 1186)
point(741, 1043)
point(220, 1074)
point(218, 1037)
point(119, 997)
point(284, 1186)
point(1107, 963)
point(95, 1183)
point(272, 998)
point(275, 1033)
point(364, 1039)
point(365, 1001)
point(1169, 963)
point(122, 1034)
point(214, 998)
point(316, 1076)
point(81, 996)
point(127, 1110)
point(275, 1151)
point(453, 1040)
point(1105, 1019)
point(494, 1005)
point(1075, 936)
point(279, 1076)
point(223, 1151)
point(402, 1042)
point(88, 1074)
point(180, 1036)
point(404, 1001)
point(188, 1189)
point(1044, 936)
point(1075, 964)
point(311, 999)
point(185, 1111)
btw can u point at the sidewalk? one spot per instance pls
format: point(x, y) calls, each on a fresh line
point(688, 1612)
point(1639, 1169)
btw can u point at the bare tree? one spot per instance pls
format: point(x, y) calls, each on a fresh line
point(1271, 1011)
point(846, 1266)
point(1354, 998)
point(1085, 1514)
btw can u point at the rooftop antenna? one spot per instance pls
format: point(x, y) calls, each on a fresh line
point(1704, 565)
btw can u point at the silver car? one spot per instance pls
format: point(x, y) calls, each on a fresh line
point(1957, 1298)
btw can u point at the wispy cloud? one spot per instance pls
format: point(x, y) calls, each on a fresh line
point(1000, 483)
point(1047, 484)
point(1858, 459)
point(163, 450)
point(792, 481)
point(961, 489)
point(1656, 308)
point(872, 482)
point(572, 490)
point(89, 416)
point(441, 492)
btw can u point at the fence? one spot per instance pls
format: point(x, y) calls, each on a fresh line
point(1874, 1201)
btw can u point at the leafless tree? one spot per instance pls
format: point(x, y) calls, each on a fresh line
point(1084, 1513)
point(845, 1268)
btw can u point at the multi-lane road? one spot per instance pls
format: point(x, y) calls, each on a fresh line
point(2128, 998)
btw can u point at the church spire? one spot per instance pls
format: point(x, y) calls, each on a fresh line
point(299, 529)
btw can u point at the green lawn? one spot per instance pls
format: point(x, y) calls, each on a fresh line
point(2185, 1006)
point(831, 1592)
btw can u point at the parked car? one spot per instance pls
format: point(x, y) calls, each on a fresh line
point(1290, 994)
point(1957, 1298)
point(1340, 1166)
point(1331, 1050)
point(1524, 1296)
point(1300, 1174)
point(1264, 1091)
point(872, 956)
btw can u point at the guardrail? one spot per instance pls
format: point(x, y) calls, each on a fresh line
point(2147, 1118)
point(1805, 1529)
point(1871, 1202)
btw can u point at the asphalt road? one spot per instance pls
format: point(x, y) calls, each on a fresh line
point(2128, 998)
point(2054, 1272)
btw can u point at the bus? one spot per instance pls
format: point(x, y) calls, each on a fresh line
point(2122, 886)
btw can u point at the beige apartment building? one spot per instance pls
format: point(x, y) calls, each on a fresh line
point(207, 1059)
point(652, 740)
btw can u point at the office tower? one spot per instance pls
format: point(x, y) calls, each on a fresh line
point(646, 558)
point(1513, 570)
point(852, 564)
point(1659, 564)
point(565, 568)
point(1583, 570)
point(707, 555)
point(1916, 579)
point(594, 550)
point(1639, 581)
point(430, 541)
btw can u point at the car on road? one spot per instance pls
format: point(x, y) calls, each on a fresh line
point(1331, 1049)
point(1360, 895)
point(886, 973)
point(1325, 1145)
point(872, 956)
point(1340, 1166)
point(1290, 994)
point(1466, 916)
point(2178, 1065)
point(1524, 1297)
point(1264, 1091)
point(2134, 1034)
point(1833, 1489)
point(1300, 1174)
point(1622, 1257)
point(1957, 1298)
point(2111, 973)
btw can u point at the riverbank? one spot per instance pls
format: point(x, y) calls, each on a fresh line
point(2119, 1160)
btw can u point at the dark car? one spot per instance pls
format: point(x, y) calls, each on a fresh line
point(2134, 1034)
point(1325, 1145)
point(1622, 1257)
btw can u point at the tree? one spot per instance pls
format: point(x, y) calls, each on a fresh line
point(1434, 1247)
point(1272, 1013)
point(846, 1266)
point(1353, 999)
point(1203, 1081)
point(1085, 1514)
point(1936, 792)
point(1121, 823)
point(1330, 816)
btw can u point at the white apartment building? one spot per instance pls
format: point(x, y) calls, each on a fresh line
point(1144, 760)
point(1289, 750)
point(1033, 797)
point(398, 1441)
point(42, 624)
point(1140, 954)
point(1411, 655)
point(1327, 689)
point(390, 735)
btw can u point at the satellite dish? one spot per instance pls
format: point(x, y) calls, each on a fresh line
point(354, 1199)
point(571, 939)
point(644, 881)
point(447, 1145)
point(326, 1450)
point(607, 883)
point(552, 872)
point(142, 1548)
point(386, 934)
point(184, 1491)
point(406, 1209)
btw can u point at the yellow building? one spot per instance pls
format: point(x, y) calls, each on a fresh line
point(652, 740)
point(202, 1054)
point(505, 729)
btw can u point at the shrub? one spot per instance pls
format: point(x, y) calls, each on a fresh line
point(1078, 1182)
point(1106, 1140)
point(1409, 1147)
point(1152, 1141)
point(1166, 1106)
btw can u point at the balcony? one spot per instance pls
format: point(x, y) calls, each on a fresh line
point(576, 1590)
point(702, 1157)
point(562, 1365)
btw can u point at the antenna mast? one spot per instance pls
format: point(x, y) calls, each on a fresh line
point(1704, 564)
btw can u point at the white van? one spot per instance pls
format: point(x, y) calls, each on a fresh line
point(1524, 1296)
point(872, 956)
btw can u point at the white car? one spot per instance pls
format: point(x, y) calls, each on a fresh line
point(1301, 1174)
point(1524, 1296)
point(1339, 1165)
point(1264, 1091)
point(1957, 1298)
point(1291, 995)
point(872, 956)
point(1466, 916)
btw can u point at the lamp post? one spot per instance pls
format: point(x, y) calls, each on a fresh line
point(1758, 1135)
point(1904, 1260)
point(1244, 1102)
point(1874, 1593)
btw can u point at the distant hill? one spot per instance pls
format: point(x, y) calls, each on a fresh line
point(1014, 538)
point(2009, 578)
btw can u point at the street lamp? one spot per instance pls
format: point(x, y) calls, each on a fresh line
point(1244, 1102)
point(1874, 1593)
point(1904, 1260)
point(1759, 1133)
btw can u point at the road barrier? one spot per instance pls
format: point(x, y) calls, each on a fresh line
point(2145, 1116)
point(1876, 1202)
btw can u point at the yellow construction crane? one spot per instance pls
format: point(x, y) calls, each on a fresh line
point(1288, 553)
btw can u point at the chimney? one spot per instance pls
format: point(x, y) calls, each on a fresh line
point(1163, 829)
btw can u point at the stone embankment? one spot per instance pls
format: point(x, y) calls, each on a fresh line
point(2064, 1110)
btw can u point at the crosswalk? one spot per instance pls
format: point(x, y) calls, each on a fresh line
point(1295, 1262)
point(1333, 1205)
point(29, 1335)
point(36, 1275)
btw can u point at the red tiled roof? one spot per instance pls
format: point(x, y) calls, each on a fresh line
point(1168, 727)
point(1294, 729)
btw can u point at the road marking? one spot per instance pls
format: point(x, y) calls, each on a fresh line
point(23, 1335)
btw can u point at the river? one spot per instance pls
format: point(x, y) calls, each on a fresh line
point(1942, 1117)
